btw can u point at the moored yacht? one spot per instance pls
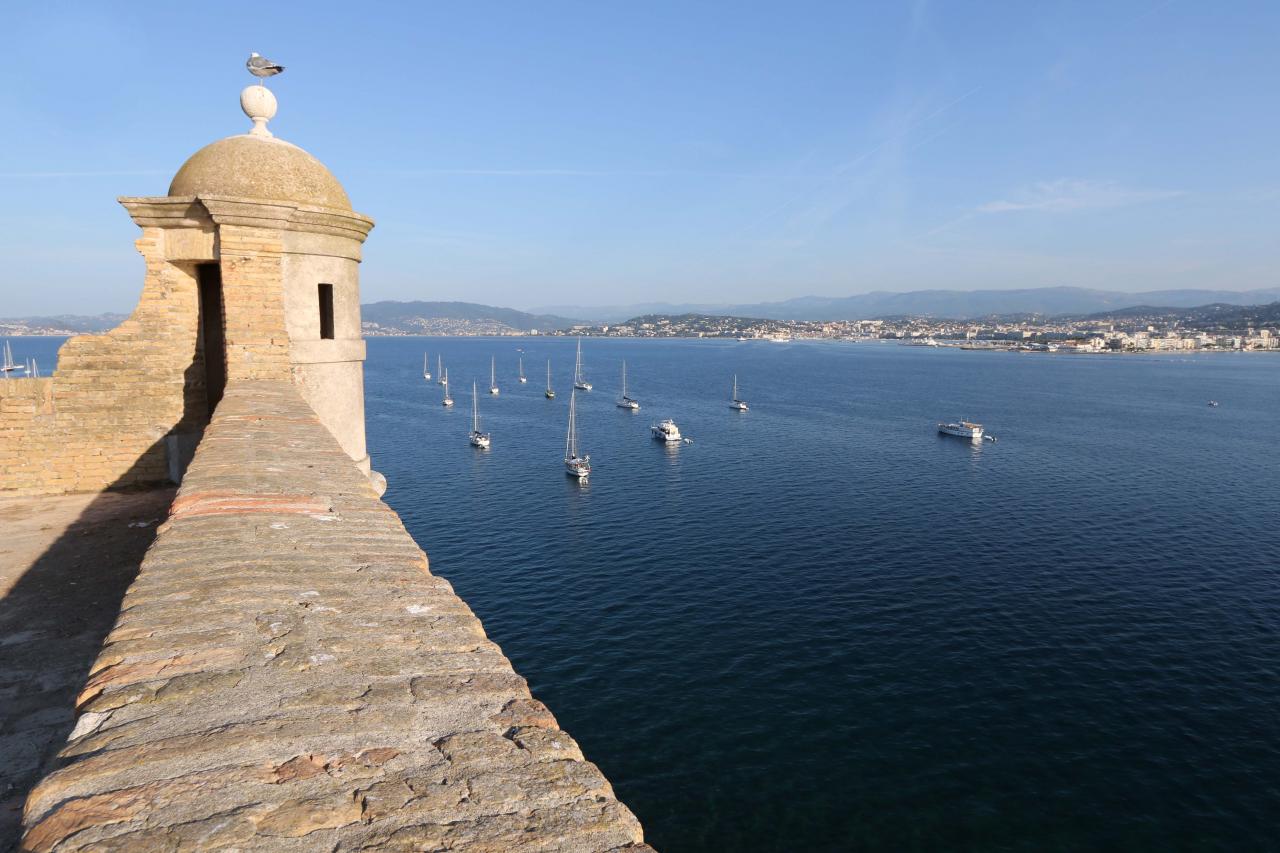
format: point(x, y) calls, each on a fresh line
point(444, 380)
point(625, 402)
point(962, 429)
point(439, 369)
point(478, 438)
point(575, 464)
point(737, 405)
point(9, 365)
point(666, 431)
point(523, 379)
point(579, 380)
point(493, 377)
point(426, 367)
point(549, 394)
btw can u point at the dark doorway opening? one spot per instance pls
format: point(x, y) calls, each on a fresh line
point(212, 341)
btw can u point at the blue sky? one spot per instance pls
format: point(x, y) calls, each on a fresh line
point(532, 154)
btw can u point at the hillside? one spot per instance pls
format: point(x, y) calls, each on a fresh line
point(60, 324)
point(956, 304)
point(456, 318)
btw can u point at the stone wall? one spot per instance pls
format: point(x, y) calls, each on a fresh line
point(100, 421)
point(253, 303)
point(287, 674)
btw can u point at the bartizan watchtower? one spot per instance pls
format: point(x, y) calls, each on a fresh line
point(252, 272)
point(274, 247)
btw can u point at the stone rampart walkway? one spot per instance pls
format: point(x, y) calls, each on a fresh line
point(286, 674)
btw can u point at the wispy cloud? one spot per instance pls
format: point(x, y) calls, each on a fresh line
point(1071, 194)
point(119, 174)
point(584, 173)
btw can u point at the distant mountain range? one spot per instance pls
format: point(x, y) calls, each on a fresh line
point(954, 304)
point(1214, 315)
point(60, 324)
point(425, 318)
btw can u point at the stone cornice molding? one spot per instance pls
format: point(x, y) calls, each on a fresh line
point(199, 210)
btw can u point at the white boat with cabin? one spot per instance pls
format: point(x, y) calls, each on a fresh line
point(444, 380)
point(439, 369)
point(666, 431)
point(962, 429)
point(522, 377)
point(493, 376)
point(549, 394)
point(575, 464)
point(426, 367)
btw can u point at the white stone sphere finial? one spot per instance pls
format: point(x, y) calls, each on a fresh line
point(259, 105)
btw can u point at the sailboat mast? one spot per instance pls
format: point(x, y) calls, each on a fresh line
point(571, 440)
point(624, 380)
point(475, 410)
point(492, 375)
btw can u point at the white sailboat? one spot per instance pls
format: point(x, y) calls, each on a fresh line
point(478, 439)
point(737, 405)
point(426, 367)
point(574, 465)
point(580, 381)
point(625, 402)
point(33, 370)
point(493, 377)
point(523, 378)
point(550, 395)
point(439, 369)
point(444, 380)
point(9, 366)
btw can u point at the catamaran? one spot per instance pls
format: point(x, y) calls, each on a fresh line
point(478, 438)
point(493, 377)
point(426, 367)
point(574, 465)
point(737, 405)
point(439, 369)
point(549, 394)
point(523, 378)
point(9, 366)
point(626, 402)
point(444, 380)
point(580, 381)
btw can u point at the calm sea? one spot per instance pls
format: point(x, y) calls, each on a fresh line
point(821, 626)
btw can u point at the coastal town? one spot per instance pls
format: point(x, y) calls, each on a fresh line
point(1151, 332)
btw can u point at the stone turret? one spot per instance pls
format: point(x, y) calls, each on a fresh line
point(273, 244)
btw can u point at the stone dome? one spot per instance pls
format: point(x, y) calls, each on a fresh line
point(259, 167)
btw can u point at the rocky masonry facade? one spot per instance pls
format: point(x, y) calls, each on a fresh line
point(287, 674)
point(102, 419)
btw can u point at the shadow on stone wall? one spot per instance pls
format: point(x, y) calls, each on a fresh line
point(53, 622)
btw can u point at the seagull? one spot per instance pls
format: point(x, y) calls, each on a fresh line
point(261, 67)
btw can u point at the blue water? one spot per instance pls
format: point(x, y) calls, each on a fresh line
point(823, 627)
